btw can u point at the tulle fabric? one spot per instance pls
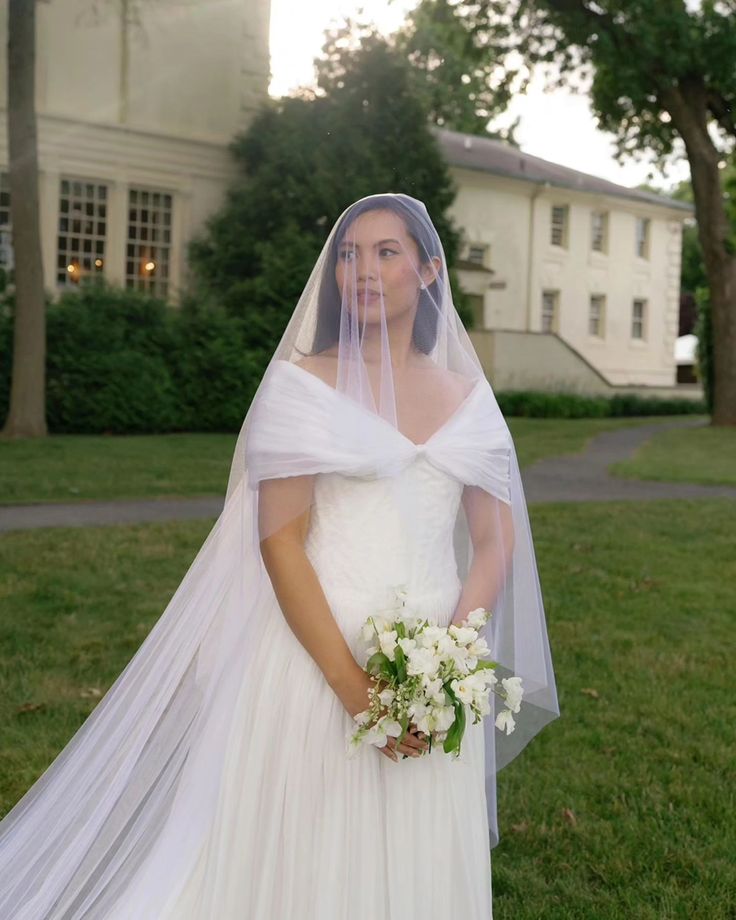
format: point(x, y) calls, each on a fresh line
point(302, 831)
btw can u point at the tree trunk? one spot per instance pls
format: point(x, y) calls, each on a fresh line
point(27, 413)
point(688, 108)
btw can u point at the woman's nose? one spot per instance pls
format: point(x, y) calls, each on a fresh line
point(366, 268)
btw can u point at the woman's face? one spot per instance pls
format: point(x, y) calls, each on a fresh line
point(378, 261)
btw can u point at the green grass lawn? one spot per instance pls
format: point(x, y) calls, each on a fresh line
point(705, 455)
point(63, 468)
point(622, 809)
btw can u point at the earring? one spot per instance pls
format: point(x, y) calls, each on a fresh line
point(422, 286)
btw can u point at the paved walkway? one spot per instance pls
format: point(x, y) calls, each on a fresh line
point(584, 477)
point(571, 478)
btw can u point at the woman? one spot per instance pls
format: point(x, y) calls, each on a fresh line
point(373, 468)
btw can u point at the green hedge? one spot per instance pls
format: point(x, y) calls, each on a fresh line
point(123, 362)
point(536, 404)
point(120, 361)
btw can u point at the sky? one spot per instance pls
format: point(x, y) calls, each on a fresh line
point(556, 126)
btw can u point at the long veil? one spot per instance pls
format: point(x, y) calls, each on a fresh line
point(383, 369)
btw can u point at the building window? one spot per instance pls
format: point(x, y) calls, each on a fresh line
point(560, 220)
point(149, 241)
point(599, 231)
point(638, 318)
point(642, 237)
point(82, 231)
point(477, 304)
point(550, 310)
point(477, 254)
point(6, 233)
point(596, 315)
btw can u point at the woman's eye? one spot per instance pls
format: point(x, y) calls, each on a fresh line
point(347, 252)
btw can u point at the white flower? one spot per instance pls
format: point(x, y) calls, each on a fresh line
point(477, 618)
point(387, 696)
point(483, 704)
point(368, 631)
point(477, 680)
point(384, 728)
point(407, 645)
point(463, 635)
point(514, 692)
point(423, 661)
point(361, 717)
point(486, 676)
point(478, 648)
point(464, 690)
point(429, 635)
point(505, 721)
point(445, 645)
point(418, 710)
point(459, 656)
point(381, 623)
point(387, 641)
point(444, 716)
point(438, 718)
point(431, 685)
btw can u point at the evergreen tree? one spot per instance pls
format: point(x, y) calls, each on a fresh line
point(304, 159)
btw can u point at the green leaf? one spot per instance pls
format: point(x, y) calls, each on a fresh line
point(379, 664)
point(400, 663)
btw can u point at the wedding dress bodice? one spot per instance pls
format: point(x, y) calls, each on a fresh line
point(368, 535)
point(384, 508)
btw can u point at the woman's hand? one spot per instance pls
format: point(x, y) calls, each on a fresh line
point(354, 697)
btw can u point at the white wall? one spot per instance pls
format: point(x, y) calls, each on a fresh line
point(513, 217)
point(153, 105)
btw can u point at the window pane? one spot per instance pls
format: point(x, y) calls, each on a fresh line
point(559, 225)
point(147, 267)
point(80, 235)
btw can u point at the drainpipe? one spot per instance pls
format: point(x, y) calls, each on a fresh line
point(542, 187)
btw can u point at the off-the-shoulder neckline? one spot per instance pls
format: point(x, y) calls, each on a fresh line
point(460, 408)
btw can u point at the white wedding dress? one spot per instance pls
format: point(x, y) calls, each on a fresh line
point(302, 831)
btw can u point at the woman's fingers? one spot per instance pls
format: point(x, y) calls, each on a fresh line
point(392, 749)
point(413, 741)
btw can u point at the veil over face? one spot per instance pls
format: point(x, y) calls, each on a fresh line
point(373, 369)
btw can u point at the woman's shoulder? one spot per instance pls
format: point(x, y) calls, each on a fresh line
point(322, 365)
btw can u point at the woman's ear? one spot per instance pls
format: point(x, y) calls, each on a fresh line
point(431, 270)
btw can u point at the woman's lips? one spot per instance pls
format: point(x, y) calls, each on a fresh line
point(368, 295)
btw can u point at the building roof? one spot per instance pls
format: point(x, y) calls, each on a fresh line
point(469, 151)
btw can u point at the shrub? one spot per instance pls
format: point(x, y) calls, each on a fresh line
point(538, 404)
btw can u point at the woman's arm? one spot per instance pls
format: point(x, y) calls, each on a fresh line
point(492, 533)
point(294, 580)
point(303, 603)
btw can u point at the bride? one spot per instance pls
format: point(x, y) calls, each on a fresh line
point(373, 469)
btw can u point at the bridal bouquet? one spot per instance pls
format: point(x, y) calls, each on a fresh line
point(430, 675)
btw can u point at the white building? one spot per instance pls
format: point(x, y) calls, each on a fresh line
point(575, 280)
point(136, 103)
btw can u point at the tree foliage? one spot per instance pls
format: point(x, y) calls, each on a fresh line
point(303, 160)
point(455, 72)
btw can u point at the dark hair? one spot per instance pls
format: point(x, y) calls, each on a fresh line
point(420, 229)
